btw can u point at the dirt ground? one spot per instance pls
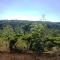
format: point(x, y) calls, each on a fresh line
point(8, 56)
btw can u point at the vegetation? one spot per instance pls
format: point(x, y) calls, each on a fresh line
point(29, 35)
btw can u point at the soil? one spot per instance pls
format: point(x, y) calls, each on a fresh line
point(25, 56)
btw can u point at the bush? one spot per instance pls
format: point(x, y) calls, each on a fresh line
point(38, 47)
point(21, 44)
point(49, 45)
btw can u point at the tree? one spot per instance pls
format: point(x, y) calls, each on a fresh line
point(38, 46)
point(9, 35)
point(26, 28)
point(8, 32)
point(18, 30)
point(27, 37)
point(38, 37)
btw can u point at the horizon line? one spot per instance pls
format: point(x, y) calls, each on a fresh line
point(26, 20)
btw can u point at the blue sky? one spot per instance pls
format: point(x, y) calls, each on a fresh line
point(30, 9)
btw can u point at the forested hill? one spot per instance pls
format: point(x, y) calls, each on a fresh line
point(38, 36)
point(13, 23)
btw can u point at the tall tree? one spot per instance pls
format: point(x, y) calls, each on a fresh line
point(9, 35)
point(38, 36)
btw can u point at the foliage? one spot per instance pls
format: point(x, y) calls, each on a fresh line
point(37, 37)
point(38, 47)
point(8, 32)
point(21, 44)
point(21, 35)
point(49, 45)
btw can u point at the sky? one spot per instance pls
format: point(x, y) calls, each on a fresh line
point(33, 10)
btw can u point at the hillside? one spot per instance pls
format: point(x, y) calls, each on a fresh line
point(53, 25)
point(38, 36)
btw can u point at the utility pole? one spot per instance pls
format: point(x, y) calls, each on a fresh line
point(43, 18)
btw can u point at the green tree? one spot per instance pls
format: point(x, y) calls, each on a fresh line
point(27, 37)
point(8, 32)
point(9, 35)
point(18, 30)
point(38, 37)
point(38, 46)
